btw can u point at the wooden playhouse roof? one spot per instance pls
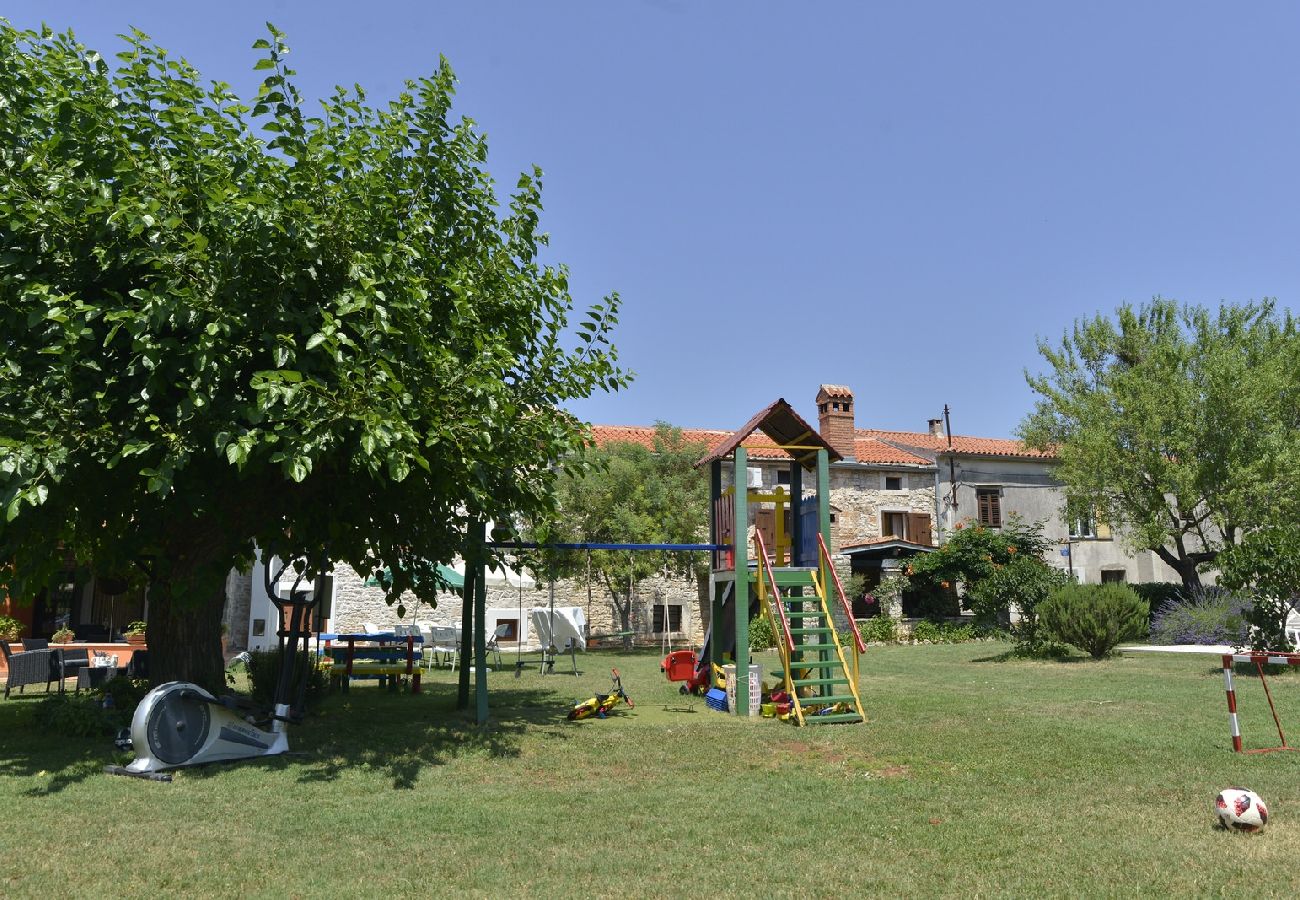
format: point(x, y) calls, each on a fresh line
point(786, 428)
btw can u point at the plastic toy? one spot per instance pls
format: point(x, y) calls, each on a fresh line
point(600, 705)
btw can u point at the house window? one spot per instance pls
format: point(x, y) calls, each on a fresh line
point(1112, 576)
point(893, 482)
point(1083, 526)
point(671, 614)
point(989, 504)
point(893, 524)
point(782, 476)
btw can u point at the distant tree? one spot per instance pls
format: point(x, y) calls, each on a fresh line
point(628, 493)
point(334, 342)
point(1175, 424)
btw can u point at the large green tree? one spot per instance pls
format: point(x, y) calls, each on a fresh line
point(629, 493)
point(226, 325)
point(1175, 423)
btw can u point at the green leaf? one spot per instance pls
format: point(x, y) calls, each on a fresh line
point(315, 341)
point(264, 63)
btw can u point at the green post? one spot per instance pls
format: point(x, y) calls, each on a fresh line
point(741, 597)
point(480, 628)
point(824, 526)
point(824, 496)
point(473, 573)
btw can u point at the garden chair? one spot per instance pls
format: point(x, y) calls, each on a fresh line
point(370, 628)
point(68, 662)
point(493, 645)
point(29, 667)
point(36, 644)
point(444, 641)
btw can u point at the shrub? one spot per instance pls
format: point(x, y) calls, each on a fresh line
point(947, 632)
point(879, 630)
point(104, 710)
point(1210, 615)
point(1094, 617)
point(264, 675)
point(10, 628)
point(1158, 593)
point(761, 636)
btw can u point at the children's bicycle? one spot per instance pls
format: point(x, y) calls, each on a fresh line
point(600, 705)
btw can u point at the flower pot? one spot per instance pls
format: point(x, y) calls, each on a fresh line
point(135, 640)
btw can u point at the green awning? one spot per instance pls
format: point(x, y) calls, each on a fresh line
point(449, 577)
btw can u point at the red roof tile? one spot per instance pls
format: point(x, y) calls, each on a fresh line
point(871, 446)
point(976, 446)
point(871, 450)
point(758, 445)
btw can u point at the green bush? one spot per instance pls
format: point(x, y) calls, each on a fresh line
point(1094, 617)
point(878, 630)
point(761, 636)
point(264, 675)
point(947, 632)
point(10, 628)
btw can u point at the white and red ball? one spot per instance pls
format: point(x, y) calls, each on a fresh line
point(1241, 810)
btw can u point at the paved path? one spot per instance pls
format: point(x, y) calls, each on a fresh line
point(1209, 649)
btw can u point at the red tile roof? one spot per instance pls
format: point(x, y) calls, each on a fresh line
point(758, 445)
point(937, 443)
point(871, 446)
point(872, 450)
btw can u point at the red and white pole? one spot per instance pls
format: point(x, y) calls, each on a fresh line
point(1232, 703)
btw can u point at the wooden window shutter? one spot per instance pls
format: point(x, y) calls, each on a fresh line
point(1103, 530)
point(918, 529)
point(990, 508)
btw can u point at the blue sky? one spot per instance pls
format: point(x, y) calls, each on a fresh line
point(900, 197)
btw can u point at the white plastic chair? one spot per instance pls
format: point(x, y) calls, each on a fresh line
point(370, 628)
point(444, 641)
point(497, 634)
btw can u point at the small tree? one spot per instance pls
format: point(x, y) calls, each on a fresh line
point(628, 493)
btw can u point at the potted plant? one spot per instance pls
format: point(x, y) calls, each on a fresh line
point(63, 636)
point(135, 633)
point(10, 628)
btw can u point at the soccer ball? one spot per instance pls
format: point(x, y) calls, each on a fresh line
point(1241, 810)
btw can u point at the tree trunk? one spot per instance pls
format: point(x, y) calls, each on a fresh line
point(625, 619)
point(184, 636)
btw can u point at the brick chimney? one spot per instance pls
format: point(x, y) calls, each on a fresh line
point(936, 427)
point(835, 418)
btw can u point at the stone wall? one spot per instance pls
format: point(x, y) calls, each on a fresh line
point(858, 496)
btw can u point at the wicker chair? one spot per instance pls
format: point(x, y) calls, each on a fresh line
point(69, 661)
point(29, 667)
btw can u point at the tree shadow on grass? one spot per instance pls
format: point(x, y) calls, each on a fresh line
point(396, 733)
point(400, 734)
point(31, 752)
point(1013, 656)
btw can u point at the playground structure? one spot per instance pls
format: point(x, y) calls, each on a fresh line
point(792, 584)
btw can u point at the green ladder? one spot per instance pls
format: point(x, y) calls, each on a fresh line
point(816, 666)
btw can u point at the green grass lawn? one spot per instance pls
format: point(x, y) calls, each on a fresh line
point(974, 776)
